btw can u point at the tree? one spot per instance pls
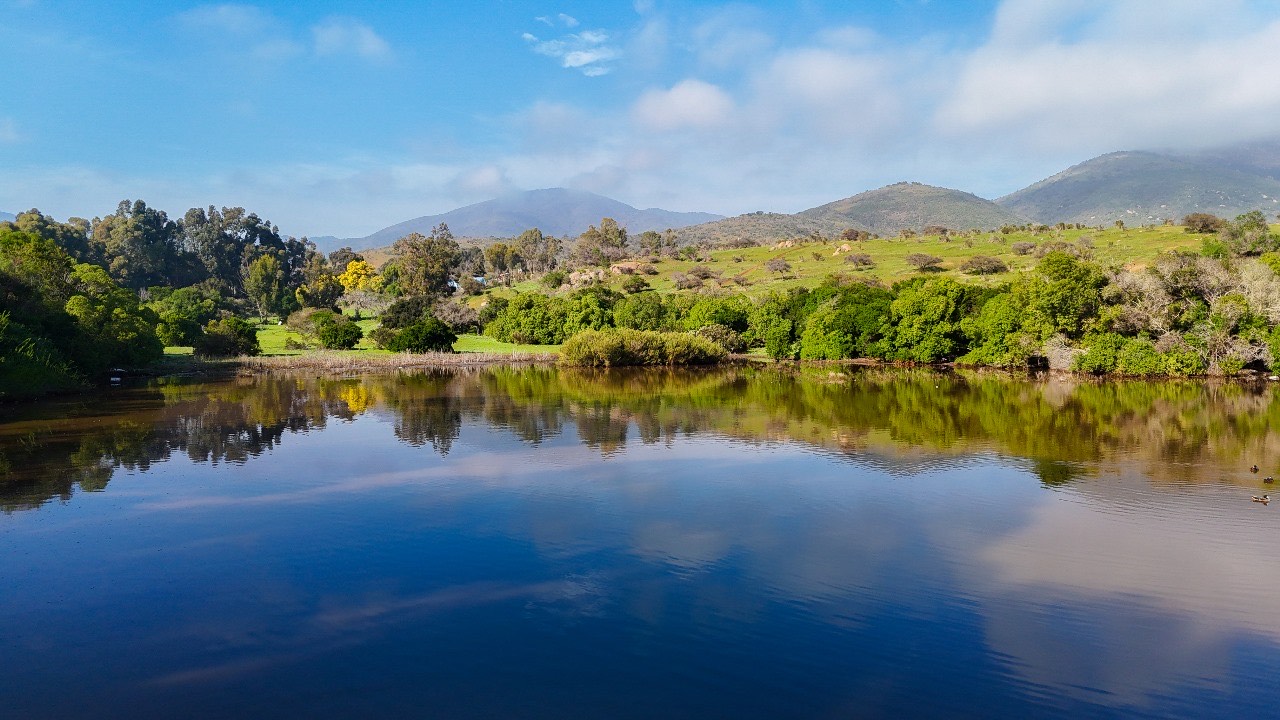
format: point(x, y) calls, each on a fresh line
point(1203, 223)
point(322, 292)
point(924, 262)
point(983, 265)
point(360, 275)
point(1249, 235)
point(228, 337)
point(601, 246)
point(339, 258)
point(139, 245)
point(539, 252)
point(264, 284)
point(72, 236)
point(426, 264)
point(427, 335)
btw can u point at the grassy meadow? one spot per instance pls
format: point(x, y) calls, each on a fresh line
point(744, 270)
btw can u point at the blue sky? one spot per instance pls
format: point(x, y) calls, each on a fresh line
point(341, 117)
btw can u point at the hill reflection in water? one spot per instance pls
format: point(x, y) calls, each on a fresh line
point(739, 542)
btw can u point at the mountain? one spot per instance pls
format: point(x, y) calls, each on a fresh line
point(4, 216)
point(1146, 187)
point(913, 205)
point(884, 211)
point(554, 211)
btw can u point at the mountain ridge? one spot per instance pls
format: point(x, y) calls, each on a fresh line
point(1144, 187)
point(883, 211)
point(554, 211)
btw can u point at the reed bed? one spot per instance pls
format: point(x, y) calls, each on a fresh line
point(343, 362)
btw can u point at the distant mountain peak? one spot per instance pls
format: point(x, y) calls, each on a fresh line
point(554, 211)
point(1144, 187)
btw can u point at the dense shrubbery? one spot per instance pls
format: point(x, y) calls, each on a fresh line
point(64, 322)
point(337, 332)
point(427, 335)
point(227, 337)
point(617, 347)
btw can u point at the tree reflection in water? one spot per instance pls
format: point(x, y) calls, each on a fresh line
point(895, 419)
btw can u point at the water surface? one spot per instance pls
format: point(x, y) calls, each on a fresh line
point(722, 543)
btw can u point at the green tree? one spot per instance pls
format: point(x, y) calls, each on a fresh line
point(264, 284)
point(601, 246)
point(426, 264)
point(139, 245)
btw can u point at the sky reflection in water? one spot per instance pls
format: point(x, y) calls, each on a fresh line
point(727, 543)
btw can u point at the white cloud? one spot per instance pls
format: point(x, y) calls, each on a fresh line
point(1107, 76)
point(344, 36)
point(590, 51)
point(689, 104)
point(568, 20)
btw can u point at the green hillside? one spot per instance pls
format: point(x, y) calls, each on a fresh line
point(745, 270)
point(1142, 188)
point(884, 211)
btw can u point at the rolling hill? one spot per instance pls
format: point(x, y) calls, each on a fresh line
point(4, 216)
point(1144, 188)
point(884, 211)
point(554, 211)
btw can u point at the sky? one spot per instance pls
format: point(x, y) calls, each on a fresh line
point(341, 118)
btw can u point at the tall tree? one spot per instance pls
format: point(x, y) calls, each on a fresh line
point(426, 264)
point(72, 236)
point(601, 246)
point(138, 244)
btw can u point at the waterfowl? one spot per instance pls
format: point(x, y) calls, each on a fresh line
point(1253, 469)
point(1268, 479)
point(1264, 499)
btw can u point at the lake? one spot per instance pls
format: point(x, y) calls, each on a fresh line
point(740, 542)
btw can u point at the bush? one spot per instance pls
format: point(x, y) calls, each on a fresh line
point(923, 261)
point(226, 338)
point(407, 311)
point(618, 347)
point(1203, 223)
point(554, 279)
point(724, 336)
point(635, 284)
point(381, 336)
point(702, 272)
point(861, 261)
point(1022, 248)
point(983, 265)
point(685, 282)
point(648, 269)
point(338, 334)
point(429, 335)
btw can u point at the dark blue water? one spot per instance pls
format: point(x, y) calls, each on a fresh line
point(529, 544)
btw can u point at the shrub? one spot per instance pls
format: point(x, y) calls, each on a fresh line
point(983, 265)
point(702, 272)
point(1022, 248)
point(685, 282)
point(226, 338)
point(861, 261)
point(617, 347)
point(554, 279)
point(338, 334)
point(407, 311)
point(778, 265)
point(724, 336)
point(1102, 352)
point(1140, 357)
point(635, 284)
point(429, 335)
point(648, 269)
point(1203, 223)
point(924, 261)
point(381, 336)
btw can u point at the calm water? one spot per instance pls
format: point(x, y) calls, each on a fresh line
point(732, 543)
